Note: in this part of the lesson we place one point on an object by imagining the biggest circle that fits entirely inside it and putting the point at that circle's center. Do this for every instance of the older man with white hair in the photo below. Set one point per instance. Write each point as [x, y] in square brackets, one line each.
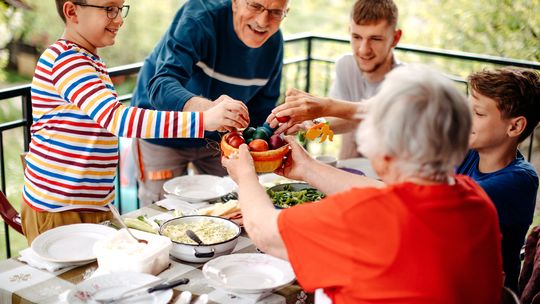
[422, 235]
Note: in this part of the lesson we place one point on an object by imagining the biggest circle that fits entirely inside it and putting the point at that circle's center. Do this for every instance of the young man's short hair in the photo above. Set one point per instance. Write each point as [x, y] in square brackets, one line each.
[516, 92]
[60, 7]
[369, 11]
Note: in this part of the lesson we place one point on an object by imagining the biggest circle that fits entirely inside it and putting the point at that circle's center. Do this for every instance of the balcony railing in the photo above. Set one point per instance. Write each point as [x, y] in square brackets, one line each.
[308, 65]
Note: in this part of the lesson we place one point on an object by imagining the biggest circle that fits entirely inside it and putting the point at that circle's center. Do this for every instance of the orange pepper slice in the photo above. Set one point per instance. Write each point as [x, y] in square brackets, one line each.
[320, 129]
[315, 131]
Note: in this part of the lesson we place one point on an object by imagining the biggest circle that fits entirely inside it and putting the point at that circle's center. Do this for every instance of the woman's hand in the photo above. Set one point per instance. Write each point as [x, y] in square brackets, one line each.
[240, 165]
[227, 115]
[298, 161]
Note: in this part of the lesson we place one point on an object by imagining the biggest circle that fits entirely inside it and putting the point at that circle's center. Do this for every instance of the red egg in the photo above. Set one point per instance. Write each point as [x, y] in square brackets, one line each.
[235, 141]
[283, 119]
[258, 145]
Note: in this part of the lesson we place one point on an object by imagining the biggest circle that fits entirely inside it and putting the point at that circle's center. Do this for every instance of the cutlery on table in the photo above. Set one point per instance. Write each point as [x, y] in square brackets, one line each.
[155, 286]
[202, 299]
[184, 298]
[118, 217]
[194, 237]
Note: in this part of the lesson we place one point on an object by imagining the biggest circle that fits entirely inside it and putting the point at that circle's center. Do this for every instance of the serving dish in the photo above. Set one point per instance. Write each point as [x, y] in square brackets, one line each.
[264, 161]
[191, 252]
[292, 194]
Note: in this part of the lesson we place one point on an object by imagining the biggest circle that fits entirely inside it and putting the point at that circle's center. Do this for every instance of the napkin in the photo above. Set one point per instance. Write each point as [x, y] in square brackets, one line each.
[31, 258]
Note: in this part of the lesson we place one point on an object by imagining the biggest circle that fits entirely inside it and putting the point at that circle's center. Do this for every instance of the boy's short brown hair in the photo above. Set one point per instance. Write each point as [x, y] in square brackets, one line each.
[369, 11]
[516, 91]
[60, 7]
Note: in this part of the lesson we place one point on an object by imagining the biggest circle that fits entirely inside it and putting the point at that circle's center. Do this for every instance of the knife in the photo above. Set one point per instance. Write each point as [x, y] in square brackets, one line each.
[142, 290]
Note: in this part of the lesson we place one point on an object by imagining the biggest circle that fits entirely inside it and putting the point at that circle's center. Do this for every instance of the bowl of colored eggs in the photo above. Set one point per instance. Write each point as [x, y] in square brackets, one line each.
[267, 149]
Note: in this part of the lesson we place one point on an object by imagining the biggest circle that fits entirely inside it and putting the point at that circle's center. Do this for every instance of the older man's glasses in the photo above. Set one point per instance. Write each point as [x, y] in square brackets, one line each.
[112, 11]
[276, 14]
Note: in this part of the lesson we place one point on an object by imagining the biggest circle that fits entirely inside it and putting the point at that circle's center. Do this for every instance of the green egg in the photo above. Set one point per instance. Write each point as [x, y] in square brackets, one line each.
[261, 133]
[248, 133]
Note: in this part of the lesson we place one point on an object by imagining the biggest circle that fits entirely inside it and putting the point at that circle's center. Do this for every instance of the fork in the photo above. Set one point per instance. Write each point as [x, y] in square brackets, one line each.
[118, 217]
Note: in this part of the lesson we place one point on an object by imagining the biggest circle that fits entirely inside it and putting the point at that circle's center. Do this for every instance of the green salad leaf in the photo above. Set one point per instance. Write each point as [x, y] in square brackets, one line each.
[287, 197]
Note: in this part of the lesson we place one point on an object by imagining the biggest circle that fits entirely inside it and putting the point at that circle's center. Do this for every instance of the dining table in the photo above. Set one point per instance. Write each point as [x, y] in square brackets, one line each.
[21, 283]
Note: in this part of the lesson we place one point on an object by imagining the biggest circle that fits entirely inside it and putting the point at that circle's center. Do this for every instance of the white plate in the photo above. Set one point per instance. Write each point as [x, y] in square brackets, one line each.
[114, 284]
[249, 272]
[70, 243]
[269, 180]
[199, 188]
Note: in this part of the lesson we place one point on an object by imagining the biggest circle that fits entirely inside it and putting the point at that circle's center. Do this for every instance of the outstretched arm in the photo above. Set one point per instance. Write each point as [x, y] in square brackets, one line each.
[299, 165]
[260, 216]
[300, 106]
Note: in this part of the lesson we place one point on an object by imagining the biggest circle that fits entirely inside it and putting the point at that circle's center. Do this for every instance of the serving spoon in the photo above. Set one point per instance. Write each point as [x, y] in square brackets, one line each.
[118, 217]
[192, 235]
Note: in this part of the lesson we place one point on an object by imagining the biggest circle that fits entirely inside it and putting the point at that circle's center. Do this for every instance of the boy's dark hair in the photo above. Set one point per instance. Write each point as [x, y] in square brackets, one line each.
[60, 7]
[515, 90]
[369, 11]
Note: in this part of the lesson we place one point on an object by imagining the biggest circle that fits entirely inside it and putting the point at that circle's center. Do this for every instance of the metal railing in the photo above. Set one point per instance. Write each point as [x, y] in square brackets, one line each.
[304, 59]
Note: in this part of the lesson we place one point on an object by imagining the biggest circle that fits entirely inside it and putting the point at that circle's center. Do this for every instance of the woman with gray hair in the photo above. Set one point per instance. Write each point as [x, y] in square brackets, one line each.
[422, 235]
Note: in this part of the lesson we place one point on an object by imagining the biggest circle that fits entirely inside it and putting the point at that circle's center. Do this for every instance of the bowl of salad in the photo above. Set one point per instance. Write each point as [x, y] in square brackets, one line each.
[287, 195]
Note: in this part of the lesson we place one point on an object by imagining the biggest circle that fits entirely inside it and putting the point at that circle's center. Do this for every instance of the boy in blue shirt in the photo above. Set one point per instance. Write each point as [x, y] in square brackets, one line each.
[506, 110]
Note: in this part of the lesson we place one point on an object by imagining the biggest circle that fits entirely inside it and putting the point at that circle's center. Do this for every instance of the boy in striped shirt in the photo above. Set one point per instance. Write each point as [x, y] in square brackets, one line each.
[77, 118]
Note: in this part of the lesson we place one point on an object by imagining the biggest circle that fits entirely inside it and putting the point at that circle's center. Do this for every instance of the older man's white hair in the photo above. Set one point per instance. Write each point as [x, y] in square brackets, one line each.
[420, 119]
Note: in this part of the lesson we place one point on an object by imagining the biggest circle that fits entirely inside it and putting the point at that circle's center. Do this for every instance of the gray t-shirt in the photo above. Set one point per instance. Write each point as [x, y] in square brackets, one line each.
[351, 85]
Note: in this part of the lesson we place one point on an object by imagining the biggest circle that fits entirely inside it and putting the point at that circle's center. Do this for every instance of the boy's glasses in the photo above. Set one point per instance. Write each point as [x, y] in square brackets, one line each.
[112, 11]
[276, 14]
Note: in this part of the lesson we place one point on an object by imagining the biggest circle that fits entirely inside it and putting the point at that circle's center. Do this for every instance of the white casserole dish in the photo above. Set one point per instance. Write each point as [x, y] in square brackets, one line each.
[202, 253]
[120, 252]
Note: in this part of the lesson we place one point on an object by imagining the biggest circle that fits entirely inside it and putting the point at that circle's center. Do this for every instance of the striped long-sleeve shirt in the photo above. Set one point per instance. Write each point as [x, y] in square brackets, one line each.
[73, 153]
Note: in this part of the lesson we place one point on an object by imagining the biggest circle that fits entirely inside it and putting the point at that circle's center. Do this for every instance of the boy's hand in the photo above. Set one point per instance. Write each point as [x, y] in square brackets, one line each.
[228, 114]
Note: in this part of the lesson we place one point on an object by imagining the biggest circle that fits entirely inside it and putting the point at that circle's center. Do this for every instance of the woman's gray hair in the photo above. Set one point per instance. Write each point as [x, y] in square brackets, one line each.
[420, 119]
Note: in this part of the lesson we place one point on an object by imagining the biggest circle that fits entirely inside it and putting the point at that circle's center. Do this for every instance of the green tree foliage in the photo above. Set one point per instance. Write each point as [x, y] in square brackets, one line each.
[502, 28]
[494, 27]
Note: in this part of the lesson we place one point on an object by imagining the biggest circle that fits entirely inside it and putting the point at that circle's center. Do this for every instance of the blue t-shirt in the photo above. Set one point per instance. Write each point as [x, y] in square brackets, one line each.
[512, 189]
[201, 55]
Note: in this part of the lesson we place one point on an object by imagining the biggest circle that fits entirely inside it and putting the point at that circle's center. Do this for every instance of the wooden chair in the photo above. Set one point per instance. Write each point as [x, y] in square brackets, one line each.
[9, 214]
[509, 297]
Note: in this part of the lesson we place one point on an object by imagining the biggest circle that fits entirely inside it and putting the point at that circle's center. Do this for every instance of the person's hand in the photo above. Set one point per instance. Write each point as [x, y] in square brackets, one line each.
[297, 162]
[240, 165]
[299, 106]
[227, 115]
[291, 130]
